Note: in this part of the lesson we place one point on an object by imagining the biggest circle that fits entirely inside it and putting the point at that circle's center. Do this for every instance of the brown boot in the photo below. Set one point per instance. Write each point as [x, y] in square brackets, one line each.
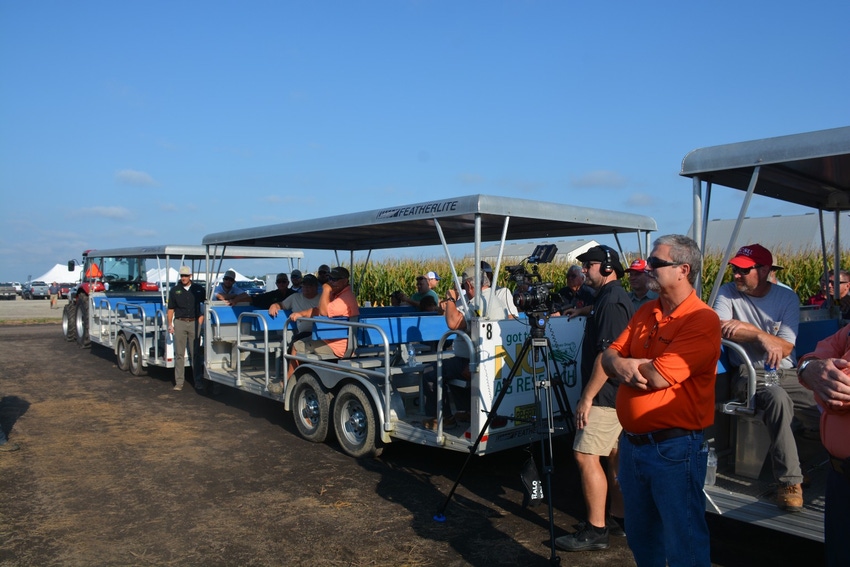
[789, 497]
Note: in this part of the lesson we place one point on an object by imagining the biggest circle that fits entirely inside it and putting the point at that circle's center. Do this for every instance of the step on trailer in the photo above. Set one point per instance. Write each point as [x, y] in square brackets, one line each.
[115, 305]
[812, 170]
[374, 396]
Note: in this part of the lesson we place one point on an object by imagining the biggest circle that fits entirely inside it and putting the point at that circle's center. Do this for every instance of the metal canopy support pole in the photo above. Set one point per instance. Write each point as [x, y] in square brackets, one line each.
[730, 248]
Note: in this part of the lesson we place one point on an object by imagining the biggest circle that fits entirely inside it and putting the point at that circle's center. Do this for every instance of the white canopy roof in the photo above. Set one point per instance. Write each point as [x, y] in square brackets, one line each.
[60, 274]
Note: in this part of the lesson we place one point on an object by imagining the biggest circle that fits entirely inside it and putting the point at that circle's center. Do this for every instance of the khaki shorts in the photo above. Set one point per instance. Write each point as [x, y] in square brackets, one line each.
[601, 434]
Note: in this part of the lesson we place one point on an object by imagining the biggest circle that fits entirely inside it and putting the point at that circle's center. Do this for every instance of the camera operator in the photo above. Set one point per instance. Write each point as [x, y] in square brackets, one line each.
[597, 426]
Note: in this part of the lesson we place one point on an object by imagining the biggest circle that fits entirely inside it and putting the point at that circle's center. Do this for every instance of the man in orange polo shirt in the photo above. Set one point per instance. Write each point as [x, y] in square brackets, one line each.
[826, 372]
[666, 361]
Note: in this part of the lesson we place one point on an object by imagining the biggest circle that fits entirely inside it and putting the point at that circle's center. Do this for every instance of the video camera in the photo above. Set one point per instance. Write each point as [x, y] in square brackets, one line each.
[532, 295]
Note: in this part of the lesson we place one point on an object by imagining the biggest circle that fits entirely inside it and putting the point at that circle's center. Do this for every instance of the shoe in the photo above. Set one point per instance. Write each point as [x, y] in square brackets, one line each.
[586, 539]
[9, 447]
[616, 526]
[431, 423]
[177, 388]
[789, 497]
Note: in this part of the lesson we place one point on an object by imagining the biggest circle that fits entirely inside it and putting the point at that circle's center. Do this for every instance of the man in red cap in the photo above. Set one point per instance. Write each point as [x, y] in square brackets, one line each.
[763, 318]
[638, 280]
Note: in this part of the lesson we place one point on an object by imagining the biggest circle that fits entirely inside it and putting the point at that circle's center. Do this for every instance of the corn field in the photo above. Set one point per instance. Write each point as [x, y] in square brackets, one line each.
[801, 271]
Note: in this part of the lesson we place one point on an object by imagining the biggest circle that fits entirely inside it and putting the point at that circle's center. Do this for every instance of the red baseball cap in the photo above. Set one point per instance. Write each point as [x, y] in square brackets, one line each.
[752, 255]
[638, 265]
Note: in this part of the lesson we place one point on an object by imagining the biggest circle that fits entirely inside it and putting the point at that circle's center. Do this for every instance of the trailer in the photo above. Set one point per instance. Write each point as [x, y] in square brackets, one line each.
[812, 170]
[115, 306]
[374, 395]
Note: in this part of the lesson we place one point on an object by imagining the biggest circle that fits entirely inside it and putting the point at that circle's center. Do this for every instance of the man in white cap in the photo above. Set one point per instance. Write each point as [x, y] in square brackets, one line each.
[228, 291]
[184, 318]
[433, 280]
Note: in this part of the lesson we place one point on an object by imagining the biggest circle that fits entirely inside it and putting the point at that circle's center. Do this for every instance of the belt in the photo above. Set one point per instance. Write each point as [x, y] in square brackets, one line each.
[660, 435]
[185, 318]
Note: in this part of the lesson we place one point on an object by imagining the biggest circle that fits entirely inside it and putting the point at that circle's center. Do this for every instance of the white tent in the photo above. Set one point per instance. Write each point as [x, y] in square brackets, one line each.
[157, 275]
[61, 274]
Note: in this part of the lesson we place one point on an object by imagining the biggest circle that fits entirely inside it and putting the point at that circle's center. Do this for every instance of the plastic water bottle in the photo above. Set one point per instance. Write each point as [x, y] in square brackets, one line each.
[771, 378]
[411, 355]
[711, 468]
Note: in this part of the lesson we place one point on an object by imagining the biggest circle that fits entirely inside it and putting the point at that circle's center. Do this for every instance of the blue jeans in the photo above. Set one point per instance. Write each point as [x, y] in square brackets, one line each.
[836, 519]
[665, 505]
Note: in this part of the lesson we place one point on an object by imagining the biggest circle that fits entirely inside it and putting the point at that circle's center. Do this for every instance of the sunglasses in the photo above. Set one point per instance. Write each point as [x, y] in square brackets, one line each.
[229, 279]
[743, 271]
[282, 281]
[656, 263]
[333, 279]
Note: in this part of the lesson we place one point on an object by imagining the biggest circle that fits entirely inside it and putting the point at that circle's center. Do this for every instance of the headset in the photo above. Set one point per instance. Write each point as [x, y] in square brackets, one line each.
[607, 266]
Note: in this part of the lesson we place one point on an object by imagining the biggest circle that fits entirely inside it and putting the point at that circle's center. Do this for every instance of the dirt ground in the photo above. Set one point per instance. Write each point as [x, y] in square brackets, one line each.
[118, 470]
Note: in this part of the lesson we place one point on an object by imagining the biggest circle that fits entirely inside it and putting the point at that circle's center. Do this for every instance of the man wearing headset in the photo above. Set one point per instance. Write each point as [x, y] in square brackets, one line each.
[597, 426]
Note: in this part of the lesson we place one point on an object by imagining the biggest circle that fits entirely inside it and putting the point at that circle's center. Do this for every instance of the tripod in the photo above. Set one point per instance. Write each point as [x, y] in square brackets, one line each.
[538, 344]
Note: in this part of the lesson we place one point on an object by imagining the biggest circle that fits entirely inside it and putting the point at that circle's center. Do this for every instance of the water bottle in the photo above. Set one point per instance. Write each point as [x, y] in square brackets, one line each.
[411, 355]
[711, 468]
[771, 378]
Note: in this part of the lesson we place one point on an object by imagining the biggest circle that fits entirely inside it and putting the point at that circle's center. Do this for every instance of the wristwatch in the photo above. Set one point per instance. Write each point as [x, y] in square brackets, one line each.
[803, 366]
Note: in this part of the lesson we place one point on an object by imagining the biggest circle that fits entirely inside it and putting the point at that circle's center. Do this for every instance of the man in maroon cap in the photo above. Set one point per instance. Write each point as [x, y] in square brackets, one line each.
[763, 318]
[638, 279]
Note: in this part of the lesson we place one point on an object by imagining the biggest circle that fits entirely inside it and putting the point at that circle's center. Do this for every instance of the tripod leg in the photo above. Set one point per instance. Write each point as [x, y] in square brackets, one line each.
[439, 516]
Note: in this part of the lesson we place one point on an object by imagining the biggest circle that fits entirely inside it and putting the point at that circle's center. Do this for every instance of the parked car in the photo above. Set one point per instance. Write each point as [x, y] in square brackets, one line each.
[35, 290]
[65, 289]
[252, 287]
[7, 291]
[18, 287]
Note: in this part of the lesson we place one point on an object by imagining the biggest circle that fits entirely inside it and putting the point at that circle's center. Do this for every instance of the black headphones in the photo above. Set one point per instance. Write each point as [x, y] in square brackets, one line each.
[606, 267]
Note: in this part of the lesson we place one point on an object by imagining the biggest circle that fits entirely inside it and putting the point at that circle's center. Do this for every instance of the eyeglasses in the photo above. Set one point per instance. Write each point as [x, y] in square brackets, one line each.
[656, 263]
[651, 334]
[743, 271]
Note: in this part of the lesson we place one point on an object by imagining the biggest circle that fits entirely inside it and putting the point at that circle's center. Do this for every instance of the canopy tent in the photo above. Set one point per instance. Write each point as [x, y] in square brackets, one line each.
[158, 275]
[60, 274]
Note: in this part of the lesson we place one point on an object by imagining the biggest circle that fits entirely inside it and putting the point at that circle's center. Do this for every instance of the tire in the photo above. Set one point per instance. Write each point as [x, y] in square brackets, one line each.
[122, 353]
[69, 321]
[83, 338]
[135, 357]
[354, 422]
[311, 408]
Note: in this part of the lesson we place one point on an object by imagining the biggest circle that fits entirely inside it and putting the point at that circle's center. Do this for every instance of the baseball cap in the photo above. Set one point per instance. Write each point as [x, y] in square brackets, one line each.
[339, 273]
[296, 274]
[485, 267]
[185, 271]
[230, 274]
[432, 276]
[323, 268]
[638, 265]
[752, 255]
[600, 254]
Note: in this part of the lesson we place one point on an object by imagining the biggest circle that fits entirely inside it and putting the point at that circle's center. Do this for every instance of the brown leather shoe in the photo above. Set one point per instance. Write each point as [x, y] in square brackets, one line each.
[789, 497]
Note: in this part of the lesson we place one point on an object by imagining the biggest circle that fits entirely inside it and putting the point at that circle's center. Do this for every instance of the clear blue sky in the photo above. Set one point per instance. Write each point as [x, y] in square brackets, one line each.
[133, 123]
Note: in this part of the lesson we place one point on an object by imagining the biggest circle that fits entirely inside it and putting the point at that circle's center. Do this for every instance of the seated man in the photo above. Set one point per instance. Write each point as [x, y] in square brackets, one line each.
[300, 305]
[229, 292]
[422, 291]
[763, 318]
[458, 318]
[337, 300]
[269, 298]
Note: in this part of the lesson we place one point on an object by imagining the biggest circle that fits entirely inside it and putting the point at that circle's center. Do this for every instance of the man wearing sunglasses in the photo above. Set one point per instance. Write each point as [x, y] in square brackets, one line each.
[666, 363]
[763, 318]
[228, 291]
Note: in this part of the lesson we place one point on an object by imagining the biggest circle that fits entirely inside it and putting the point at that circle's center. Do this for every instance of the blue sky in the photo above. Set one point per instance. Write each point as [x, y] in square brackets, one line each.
[134, 123]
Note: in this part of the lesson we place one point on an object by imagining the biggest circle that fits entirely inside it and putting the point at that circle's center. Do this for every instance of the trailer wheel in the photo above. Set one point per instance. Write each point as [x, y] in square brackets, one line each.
[312, 408]
[83, 338]
[354, 422]
[69, 321]
[135, 357]
[122, 353]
